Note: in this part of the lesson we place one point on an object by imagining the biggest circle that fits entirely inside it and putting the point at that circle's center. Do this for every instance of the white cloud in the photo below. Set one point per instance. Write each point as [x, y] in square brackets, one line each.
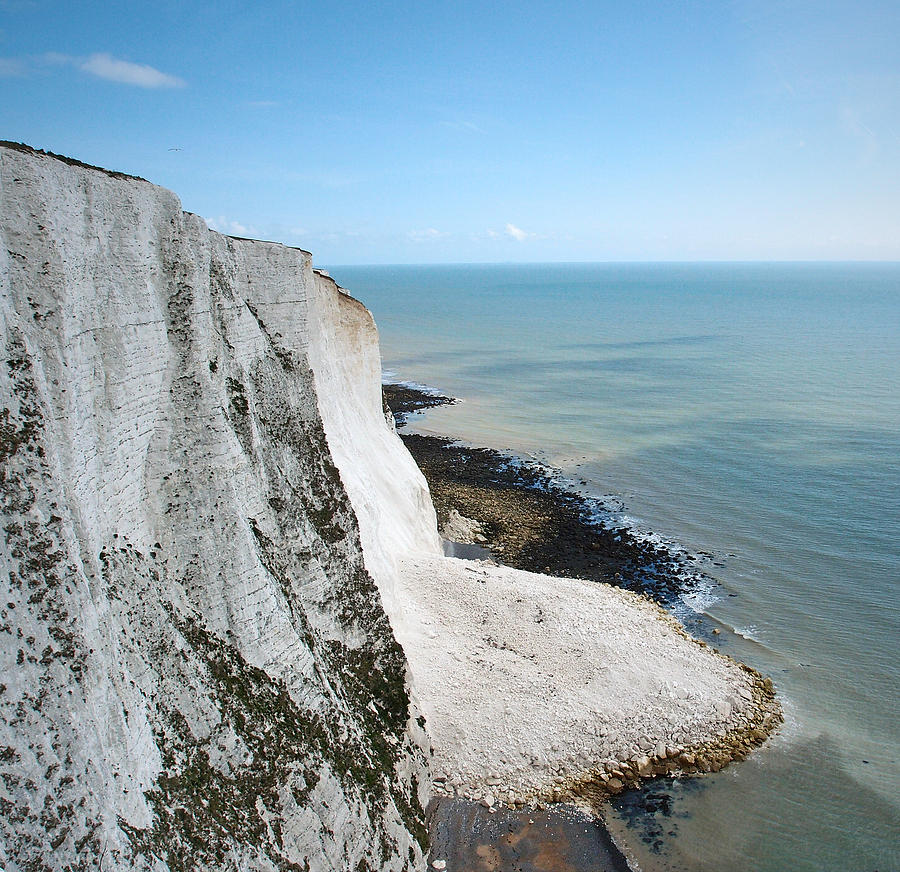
[261, 104]
[105, 66]
[427, 235]
[517, 233]
[229, 227]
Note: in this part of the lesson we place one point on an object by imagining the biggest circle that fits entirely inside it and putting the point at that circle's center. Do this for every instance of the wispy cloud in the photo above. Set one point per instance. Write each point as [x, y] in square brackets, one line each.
[105, 66]
[517, 233]
[509, 231]
[852, 123]
[261, 104]
[230, 227]
[99, 64]
[55, 58]
[430, 234]
[10, 67]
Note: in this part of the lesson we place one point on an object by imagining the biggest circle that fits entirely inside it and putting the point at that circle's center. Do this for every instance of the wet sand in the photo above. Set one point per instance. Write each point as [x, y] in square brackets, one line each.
[469, 838]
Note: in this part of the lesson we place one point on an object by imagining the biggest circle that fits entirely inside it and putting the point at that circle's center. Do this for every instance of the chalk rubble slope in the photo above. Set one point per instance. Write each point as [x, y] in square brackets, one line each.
[538, 688]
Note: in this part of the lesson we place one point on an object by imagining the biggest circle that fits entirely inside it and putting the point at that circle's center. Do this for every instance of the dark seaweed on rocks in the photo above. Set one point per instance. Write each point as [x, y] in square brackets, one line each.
[532, 521]
[403, 400]
[653, 810]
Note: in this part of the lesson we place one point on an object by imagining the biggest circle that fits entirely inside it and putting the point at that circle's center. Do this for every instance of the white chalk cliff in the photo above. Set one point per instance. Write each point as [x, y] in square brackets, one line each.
[196, 668]
[213, 541]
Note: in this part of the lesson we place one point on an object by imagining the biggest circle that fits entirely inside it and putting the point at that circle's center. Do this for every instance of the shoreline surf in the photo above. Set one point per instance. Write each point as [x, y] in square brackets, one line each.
[591, 537]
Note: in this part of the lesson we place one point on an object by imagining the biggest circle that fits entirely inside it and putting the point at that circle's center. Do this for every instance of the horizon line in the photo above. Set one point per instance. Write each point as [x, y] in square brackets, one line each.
[649, 262]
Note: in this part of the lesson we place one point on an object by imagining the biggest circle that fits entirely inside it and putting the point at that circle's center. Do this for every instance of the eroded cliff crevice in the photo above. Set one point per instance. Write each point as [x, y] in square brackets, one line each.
[198, 672]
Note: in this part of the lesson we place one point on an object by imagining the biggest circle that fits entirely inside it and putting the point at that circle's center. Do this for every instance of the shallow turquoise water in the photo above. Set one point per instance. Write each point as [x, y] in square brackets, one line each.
[751, 411]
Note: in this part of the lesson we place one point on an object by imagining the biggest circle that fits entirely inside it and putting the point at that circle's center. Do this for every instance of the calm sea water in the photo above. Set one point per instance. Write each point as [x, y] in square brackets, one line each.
[750, 411]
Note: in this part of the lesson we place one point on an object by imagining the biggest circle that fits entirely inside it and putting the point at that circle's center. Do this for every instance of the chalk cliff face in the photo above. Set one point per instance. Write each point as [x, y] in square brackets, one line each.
[386, 488]
[196, 670]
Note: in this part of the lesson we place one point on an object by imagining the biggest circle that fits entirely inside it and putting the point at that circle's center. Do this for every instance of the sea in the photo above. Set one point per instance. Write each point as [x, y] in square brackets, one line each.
[748, 413]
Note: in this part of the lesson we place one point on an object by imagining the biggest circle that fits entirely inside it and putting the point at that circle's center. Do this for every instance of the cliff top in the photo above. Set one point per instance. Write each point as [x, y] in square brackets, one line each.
[27, 149]
[116, 174]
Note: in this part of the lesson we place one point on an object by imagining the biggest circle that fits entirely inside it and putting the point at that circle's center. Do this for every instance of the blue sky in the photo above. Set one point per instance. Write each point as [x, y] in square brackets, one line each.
[469, 132]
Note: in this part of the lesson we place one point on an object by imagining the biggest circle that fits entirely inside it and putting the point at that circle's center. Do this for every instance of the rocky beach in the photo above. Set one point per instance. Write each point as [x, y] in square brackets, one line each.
[529, 518]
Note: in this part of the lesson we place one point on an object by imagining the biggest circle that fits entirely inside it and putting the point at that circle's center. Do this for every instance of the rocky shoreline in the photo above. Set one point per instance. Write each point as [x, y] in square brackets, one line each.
[754, 727]
[531, 522]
